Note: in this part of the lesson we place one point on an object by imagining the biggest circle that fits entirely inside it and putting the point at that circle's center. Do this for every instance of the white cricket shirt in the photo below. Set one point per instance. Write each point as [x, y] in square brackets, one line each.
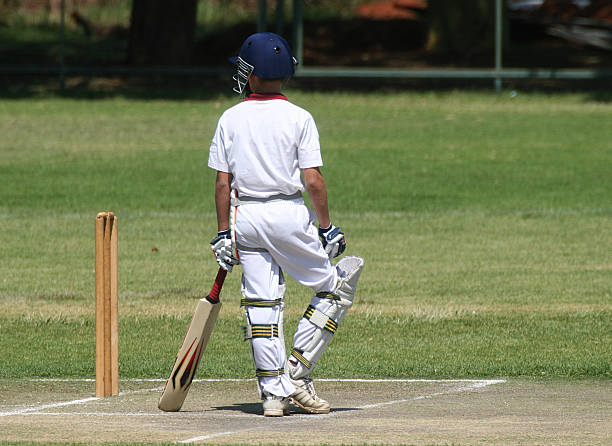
[263, 142]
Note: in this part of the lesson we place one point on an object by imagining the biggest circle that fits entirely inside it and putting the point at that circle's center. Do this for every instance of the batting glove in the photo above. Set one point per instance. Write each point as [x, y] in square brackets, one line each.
[222, 248]
[333, 241]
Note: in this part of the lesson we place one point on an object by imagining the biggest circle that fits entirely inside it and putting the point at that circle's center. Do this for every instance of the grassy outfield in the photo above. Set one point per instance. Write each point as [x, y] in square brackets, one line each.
[485, 222]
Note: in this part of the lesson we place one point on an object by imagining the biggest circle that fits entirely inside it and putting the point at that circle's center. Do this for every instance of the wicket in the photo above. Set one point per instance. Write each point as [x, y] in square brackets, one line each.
[107, 324]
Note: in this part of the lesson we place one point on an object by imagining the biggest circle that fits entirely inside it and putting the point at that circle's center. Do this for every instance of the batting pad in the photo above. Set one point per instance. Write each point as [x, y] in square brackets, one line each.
[322, 318]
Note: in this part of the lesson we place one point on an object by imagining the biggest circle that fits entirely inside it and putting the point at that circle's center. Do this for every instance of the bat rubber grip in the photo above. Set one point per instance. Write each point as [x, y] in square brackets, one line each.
[213, 296]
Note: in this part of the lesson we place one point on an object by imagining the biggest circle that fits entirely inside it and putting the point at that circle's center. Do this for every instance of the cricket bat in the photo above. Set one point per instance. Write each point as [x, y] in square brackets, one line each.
[194, 343]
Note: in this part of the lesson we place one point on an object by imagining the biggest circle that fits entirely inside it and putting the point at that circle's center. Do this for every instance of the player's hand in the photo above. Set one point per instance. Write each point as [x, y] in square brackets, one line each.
[333, 240]
[222, 248]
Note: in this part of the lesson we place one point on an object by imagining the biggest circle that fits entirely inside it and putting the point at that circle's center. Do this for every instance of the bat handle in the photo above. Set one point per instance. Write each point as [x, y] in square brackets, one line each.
[213, 296]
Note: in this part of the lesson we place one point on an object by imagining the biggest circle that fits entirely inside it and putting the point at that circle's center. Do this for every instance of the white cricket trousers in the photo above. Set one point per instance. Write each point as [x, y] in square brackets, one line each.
[272, 238]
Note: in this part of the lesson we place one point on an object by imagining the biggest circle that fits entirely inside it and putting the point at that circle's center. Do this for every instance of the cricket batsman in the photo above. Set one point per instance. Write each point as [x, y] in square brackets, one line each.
[267, 155]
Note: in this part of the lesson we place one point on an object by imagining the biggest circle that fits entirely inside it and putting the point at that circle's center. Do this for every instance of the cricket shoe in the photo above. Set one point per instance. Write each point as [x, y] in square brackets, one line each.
[275, 406]
[306, 397]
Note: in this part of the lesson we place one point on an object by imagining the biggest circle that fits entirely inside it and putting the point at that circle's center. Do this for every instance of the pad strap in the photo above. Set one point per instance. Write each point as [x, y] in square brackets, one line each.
[260, 331]
[297, 354]
[266, 373]
[259, 302]
[320, 319]
[327, 295]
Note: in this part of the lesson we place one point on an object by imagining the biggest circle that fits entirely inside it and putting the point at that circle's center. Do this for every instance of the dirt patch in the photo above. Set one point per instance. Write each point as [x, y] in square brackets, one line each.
[382, 412]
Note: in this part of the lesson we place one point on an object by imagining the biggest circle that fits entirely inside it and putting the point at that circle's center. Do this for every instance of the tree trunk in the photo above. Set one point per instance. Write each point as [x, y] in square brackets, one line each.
[460, 27]
[162, 32]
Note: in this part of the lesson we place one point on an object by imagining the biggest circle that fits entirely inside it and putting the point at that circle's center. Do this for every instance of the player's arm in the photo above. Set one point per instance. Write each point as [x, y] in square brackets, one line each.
[222, 243]
[317, 190]
[223, 186]
[331, 236]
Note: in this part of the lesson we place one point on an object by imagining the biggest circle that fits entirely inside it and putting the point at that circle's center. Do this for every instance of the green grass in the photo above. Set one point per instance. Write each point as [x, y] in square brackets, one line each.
[485, 223]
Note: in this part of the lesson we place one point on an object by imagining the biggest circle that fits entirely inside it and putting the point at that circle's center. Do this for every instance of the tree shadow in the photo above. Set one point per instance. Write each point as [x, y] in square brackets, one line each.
[355, 42]
[601, 95]
[192, 88]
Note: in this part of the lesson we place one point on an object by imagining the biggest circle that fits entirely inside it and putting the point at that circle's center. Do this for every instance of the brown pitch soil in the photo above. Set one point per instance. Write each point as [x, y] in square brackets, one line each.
[513, 411]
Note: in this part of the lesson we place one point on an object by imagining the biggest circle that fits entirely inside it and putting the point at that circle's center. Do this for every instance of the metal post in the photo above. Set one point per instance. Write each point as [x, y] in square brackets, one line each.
[298, 31]
[62, 43]
[262, 15]
[280, 17]
[498, 45]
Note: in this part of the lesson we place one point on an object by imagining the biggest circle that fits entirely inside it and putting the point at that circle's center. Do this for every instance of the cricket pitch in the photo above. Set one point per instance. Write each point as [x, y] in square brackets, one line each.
[513, 411]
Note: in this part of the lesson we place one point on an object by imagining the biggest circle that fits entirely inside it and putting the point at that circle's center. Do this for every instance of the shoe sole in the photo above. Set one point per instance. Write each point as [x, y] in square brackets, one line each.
[310, 409]
[276, 412]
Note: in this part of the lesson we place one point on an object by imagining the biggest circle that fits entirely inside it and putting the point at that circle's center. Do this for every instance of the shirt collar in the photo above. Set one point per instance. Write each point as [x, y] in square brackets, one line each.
[265, 96]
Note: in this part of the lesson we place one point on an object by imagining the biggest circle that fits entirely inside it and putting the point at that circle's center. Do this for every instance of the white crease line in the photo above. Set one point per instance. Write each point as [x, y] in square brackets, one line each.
[100, 414]
[48, 406]
[487, 382]
[481, 382]
[208, 437]
[478, 382]
[181, 414]
[472, 384]
[28, 410]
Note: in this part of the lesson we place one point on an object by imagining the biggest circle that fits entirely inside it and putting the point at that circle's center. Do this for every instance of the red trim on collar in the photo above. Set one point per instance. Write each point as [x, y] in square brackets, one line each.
[265, 96]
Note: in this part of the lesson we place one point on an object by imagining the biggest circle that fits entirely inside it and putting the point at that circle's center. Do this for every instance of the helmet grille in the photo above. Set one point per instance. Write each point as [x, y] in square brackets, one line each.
[242, 75]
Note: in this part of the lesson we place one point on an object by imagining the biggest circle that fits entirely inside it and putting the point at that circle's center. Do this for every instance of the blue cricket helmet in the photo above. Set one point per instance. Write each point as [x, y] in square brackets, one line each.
[266, 55]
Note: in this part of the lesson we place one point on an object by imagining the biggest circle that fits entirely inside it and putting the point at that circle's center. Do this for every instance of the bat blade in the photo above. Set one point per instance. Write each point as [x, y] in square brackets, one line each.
[194, 344]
